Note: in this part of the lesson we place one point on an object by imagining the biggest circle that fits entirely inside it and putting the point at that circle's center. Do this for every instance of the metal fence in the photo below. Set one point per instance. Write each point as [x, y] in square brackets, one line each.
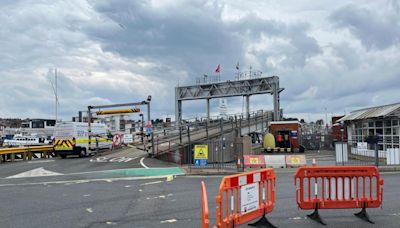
[366, 153]
[317, 141]
[222, 154]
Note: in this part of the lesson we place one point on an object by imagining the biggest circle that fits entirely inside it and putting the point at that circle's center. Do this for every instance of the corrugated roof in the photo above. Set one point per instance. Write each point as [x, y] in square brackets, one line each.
[373, 112]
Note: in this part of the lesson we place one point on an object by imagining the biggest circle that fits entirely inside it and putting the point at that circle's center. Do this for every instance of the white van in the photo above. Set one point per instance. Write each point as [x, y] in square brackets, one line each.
[71, 138]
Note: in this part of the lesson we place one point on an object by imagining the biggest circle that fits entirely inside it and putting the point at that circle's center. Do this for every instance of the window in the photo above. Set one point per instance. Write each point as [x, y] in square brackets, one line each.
[388, 123]
[395, 130]
[371, 124]
[388, 131]
[378, 123]
[395, 122]
[371, 132]
[379, 131]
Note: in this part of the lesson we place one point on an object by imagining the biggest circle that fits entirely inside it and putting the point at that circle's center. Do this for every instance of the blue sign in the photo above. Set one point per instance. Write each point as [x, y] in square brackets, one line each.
[149, 130]
[201, 162]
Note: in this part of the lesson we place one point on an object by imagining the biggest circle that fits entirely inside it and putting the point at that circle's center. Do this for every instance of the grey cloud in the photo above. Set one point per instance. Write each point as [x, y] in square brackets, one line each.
[347, 54]
[375, 30]
[191, 35]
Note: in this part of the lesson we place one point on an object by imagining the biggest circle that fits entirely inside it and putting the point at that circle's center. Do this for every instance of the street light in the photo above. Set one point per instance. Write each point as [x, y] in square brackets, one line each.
[342, 131]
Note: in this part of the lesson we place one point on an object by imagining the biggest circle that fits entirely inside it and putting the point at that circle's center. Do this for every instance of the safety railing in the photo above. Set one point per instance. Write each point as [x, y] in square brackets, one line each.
[205, 223]
[26, 151]
[338, 187]
[245, 197]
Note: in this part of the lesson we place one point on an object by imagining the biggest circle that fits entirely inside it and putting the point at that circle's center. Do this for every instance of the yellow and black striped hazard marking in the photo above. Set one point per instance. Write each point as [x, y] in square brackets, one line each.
[63, 144]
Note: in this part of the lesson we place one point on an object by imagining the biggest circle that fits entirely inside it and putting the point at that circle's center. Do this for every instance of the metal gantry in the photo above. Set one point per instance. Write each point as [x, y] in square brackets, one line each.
[243, 87]
[90, 108]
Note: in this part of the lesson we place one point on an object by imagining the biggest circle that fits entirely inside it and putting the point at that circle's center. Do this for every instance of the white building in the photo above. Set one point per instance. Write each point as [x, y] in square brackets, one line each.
[382, 121]
[121, 124]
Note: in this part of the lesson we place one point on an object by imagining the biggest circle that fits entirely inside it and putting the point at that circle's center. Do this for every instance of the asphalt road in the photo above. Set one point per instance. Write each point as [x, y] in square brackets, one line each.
[92, 194]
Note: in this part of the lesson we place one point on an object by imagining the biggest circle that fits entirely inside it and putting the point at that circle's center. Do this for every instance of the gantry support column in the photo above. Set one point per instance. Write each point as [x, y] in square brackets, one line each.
[247, 106]
[208, 108]
[178, 108]
[275, 93]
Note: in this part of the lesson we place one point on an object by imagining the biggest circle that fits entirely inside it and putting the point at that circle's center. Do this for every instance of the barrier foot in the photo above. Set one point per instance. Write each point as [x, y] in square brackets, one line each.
[364, 215]
[315, 216]
[263, 222]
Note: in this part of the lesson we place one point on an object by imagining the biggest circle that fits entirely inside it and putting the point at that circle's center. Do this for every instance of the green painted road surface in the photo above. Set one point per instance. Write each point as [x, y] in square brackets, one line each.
[140, 172]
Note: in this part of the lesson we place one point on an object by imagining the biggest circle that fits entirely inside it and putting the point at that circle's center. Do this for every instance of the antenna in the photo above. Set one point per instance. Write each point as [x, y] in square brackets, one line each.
[55, 91]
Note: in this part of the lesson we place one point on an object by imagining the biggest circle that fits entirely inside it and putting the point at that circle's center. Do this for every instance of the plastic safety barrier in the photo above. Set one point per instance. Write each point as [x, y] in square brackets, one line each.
[245, 197]
[254, 161]
[205, 223]
[294, 161]
[275, 161]
[338, 187]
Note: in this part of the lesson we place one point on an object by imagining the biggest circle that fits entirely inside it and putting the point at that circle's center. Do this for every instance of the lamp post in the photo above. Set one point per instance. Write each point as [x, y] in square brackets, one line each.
[342, 131]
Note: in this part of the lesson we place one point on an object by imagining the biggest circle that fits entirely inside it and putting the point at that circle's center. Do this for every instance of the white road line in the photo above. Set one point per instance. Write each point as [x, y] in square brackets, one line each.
[149, 183]
[89, 210]
[86, 181]
[40, 161]
[142, 164]
[168, 221]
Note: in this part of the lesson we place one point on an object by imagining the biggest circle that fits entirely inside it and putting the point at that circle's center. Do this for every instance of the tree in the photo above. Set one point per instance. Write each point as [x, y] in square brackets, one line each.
[319, 122]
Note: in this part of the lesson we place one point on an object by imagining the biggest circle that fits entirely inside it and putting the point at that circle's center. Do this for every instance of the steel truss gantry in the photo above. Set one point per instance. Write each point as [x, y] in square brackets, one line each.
[244, 87]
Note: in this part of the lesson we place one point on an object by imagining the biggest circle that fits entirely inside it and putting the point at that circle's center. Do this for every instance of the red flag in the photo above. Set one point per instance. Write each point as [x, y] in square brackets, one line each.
[218, 70]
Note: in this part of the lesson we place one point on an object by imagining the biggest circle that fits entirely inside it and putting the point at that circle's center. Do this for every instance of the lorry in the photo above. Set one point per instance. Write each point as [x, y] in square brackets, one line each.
[72, 138]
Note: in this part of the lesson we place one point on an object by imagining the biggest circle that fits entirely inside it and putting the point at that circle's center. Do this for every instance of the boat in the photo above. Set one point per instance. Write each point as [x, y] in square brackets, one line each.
[25, 140]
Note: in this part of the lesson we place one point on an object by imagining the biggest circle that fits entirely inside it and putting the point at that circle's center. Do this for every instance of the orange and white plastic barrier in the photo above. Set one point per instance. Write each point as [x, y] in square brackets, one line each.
[275, 161]
[254, 161]
[205, 223]
[245, 197]
[338, 187]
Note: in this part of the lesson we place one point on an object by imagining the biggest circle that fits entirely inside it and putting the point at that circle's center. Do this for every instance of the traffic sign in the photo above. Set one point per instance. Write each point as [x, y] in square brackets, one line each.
[201, 152]
[201, 162]
[128, 138]
[117, 140]
[148, 128]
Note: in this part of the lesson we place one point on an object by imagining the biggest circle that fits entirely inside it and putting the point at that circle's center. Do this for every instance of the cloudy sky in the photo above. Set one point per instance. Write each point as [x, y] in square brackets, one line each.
[331, 56]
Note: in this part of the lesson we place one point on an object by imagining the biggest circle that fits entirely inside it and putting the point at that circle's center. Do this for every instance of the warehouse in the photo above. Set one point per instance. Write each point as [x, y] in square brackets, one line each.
[382, 121]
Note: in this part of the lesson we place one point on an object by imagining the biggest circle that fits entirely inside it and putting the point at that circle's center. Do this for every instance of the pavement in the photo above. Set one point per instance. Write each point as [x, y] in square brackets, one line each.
[116, 191]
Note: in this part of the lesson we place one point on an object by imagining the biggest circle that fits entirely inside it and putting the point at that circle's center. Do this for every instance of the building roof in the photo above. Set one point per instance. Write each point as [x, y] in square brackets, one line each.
[373, 112]
[285, 122]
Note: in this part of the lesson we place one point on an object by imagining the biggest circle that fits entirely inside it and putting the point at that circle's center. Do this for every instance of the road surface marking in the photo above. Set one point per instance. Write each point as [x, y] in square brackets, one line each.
[168, 221]
[89, 210]
[113, 159]
[297, 218]
[127, 186]
[111, 223]
[39, 172]
[87, 195]
[170, 178]
[85, 181]
[40, 161]
[149, 183]
[160, 197]
[142, 163]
